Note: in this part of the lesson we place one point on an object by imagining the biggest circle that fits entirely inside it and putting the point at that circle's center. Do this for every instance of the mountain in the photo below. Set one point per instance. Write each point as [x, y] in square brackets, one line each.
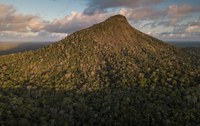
[107, 74]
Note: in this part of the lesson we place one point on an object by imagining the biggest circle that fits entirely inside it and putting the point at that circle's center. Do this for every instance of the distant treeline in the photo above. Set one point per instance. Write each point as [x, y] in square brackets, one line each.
[21, 47]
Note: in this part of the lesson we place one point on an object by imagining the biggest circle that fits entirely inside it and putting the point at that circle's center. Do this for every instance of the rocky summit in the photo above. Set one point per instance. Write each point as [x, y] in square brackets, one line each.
[107, 74]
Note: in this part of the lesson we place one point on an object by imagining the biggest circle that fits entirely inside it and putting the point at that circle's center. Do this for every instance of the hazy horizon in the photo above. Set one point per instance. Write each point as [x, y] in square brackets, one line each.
[15, 47]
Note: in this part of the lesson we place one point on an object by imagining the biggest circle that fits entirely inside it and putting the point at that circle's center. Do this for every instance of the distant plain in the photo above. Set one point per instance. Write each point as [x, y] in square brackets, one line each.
[15, 47]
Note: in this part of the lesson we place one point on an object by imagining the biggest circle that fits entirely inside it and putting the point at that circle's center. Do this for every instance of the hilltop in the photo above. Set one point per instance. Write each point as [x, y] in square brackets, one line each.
[107, 74]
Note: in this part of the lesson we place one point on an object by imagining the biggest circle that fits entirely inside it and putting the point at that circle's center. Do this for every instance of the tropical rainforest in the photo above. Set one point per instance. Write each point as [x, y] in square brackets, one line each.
[107, 74]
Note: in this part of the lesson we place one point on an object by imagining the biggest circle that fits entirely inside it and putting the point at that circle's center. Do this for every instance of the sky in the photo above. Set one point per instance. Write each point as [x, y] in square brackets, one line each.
[52, 20]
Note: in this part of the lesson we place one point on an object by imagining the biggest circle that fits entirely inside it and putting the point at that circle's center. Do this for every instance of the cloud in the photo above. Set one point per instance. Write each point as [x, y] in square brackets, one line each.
[10, 20]
[161, 23]
[193, 26]
[99, 6]
[178, 12]
[167, 23]
[141, 13]
[186, 32]
[75, 21]
[179, 37]
[19, 27]
[171, 15]
[31, 36]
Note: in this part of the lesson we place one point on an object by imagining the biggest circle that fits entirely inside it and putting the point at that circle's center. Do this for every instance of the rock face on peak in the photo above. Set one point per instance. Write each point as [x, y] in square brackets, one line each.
[117, 18]
[107, 74]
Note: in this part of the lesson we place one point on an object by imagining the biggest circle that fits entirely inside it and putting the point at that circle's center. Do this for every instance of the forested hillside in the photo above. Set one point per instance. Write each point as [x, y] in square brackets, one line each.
[107, 74]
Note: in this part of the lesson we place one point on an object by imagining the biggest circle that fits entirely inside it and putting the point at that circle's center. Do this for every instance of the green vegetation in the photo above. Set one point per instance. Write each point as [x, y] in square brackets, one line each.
[194, 50]
[108, 74]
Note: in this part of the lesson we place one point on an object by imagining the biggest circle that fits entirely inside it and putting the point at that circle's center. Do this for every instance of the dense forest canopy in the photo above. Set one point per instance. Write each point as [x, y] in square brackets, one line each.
[107, 74]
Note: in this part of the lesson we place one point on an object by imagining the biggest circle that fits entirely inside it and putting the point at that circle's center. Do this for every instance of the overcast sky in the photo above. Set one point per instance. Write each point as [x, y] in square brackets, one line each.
[52, 20]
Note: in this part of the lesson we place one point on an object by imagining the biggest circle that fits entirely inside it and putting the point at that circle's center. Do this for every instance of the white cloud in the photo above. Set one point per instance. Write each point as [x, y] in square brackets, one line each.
[14, 25]
[31, 36]
[10, 20]
[141, 14]
[177, 13]
[193, 28]
[19, 27]
[75, 21]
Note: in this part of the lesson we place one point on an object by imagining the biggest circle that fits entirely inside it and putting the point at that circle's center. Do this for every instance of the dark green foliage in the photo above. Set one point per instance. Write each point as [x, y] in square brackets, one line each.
[194, 50]
[127, 105]
[108, 74]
